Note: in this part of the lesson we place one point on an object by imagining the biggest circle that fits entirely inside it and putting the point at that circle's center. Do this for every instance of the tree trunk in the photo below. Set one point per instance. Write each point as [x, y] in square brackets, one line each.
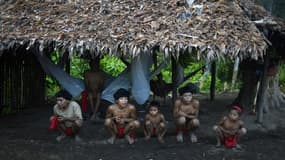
[235, 73]
[206, 73]
[275, 97]
[95, 64]
[248, 89]
[261, 97]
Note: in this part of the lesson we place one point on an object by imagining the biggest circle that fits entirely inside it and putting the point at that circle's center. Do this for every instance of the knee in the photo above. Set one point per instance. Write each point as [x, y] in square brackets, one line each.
[51, 118]
[135, 124]
[181, 120]
[215, 128]
[195, 122]
[108, 122]
[148, 124]
[79, 123]
[243, 131]
[162, 125]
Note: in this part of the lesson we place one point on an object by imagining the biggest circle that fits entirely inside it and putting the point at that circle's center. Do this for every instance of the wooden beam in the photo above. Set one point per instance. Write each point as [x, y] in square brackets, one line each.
[174, 79]
[213, 81]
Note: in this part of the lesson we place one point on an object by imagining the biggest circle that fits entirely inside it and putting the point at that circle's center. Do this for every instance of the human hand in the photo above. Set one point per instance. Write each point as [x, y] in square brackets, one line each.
[61, 119]
[119, 120]
[180, 113]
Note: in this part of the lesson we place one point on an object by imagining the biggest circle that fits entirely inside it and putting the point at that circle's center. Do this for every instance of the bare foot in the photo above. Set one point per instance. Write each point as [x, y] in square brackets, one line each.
[147, 137]
[93, 118]
[60, 137]
[218, 144]
[193, 138]
[111, 140]
[129, 139]
[160, 139]
[77, 139]
[179, 137]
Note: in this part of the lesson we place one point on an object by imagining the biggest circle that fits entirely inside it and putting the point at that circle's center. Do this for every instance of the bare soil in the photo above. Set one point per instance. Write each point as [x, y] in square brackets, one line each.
[24, 136]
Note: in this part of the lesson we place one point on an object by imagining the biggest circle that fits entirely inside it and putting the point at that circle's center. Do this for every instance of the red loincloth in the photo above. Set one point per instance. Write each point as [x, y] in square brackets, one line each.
[84, 96]
[53, 123]
[120, 132]
[230, 141]
[184, 130]
[68, 131]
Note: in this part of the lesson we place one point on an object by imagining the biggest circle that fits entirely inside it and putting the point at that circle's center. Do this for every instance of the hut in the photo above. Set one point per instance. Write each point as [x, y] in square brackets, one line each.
[125, 28]
[267, 92]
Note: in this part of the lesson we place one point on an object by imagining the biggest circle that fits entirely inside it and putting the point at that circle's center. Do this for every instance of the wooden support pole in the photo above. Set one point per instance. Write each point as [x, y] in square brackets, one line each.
[67, 66]
[262, 91]
[174, 79]
[213, 81]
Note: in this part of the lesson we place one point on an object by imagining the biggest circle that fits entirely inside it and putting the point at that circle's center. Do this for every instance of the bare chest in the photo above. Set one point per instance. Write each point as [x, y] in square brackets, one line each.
[124, 113]
[231, 125]
[155, 119]
[188, 109]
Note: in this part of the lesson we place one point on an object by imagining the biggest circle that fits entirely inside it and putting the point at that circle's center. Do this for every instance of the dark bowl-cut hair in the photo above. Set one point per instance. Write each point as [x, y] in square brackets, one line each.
[64, 94]
[155, 104]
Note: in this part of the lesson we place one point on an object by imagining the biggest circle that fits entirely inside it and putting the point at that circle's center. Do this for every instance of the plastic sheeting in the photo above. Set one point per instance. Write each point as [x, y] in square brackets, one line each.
[73, 85]
[122, 81]
[140, 77]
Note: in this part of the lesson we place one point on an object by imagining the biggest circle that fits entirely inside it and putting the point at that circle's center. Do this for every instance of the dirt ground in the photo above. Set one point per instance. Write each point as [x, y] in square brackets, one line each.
[25, 136]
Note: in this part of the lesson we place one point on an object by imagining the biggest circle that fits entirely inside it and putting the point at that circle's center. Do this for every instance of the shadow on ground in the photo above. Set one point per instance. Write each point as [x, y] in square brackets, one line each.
[25, 136]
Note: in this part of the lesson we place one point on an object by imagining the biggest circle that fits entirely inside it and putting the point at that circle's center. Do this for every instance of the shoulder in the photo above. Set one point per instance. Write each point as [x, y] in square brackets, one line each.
[178, 102]
[55, 106]
[112, 106]
[74, 104]
[240, 122]
[195, 102]
[147, 116]
[161, 115]
[131, 107]
[224, 118]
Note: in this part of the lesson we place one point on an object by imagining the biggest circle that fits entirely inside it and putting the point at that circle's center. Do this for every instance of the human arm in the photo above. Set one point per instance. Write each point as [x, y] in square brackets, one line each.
[132, 114]
[176, 108]
[76, 113]
[109, 112]
[162, 119]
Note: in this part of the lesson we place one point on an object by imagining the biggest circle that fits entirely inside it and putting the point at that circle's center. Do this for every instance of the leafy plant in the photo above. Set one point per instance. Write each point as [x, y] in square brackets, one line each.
[112, 65]
[7, 110]
[281, 73]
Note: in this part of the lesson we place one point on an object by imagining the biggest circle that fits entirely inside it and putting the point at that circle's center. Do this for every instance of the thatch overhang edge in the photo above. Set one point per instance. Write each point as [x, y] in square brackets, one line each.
[169, 42]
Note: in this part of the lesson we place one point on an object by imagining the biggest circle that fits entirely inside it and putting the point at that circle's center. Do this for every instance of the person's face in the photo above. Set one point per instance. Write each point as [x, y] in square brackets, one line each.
[233, 115]
[123, 101]
[61, 101]
[187, 97]
[153, 110]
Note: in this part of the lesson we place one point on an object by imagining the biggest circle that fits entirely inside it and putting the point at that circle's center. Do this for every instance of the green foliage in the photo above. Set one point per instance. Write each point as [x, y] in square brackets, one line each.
[7, 110]
[225, 70]
[112, 65]
[78, 66]
[281, 73]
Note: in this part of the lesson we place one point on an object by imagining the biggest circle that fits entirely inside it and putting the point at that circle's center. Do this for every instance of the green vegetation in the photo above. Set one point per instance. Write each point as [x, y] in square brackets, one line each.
[7, 110]
[281, 73]
[112, 65]
[115, 66]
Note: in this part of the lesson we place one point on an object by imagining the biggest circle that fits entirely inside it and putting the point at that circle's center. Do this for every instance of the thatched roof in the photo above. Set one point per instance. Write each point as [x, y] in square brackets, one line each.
[131, 27]
[262, 17]
[272, 27]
